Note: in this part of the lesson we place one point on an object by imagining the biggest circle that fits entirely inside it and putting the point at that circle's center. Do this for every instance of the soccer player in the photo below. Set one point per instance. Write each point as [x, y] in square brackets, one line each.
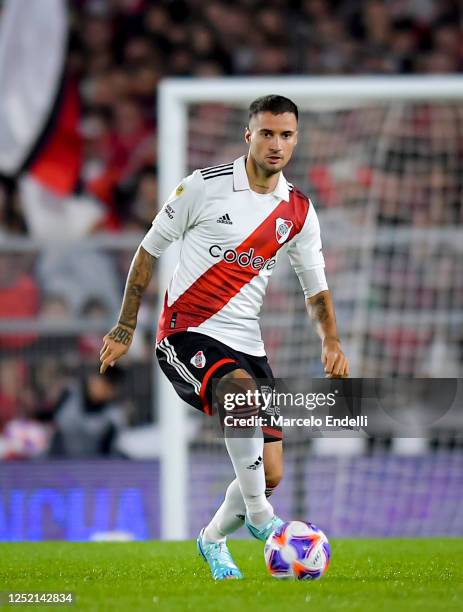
[234, 219]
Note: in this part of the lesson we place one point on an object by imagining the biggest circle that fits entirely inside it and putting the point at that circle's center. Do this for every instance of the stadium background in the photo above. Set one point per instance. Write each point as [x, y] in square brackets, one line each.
[78, 455]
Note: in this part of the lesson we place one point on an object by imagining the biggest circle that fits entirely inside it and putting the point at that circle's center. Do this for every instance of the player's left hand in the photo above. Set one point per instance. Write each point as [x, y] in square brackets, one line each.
[334, 361]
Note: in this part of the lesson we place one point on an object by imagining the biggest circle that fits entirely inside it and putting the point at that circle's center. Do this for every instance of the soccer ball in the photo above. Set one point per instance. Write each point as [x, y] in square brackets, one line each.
[297, 550]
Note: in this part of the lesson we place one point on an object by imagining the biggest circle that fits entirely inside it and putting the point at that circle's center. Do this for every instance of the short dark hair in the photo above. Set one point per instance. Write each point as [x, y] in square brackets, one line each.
[273, 104]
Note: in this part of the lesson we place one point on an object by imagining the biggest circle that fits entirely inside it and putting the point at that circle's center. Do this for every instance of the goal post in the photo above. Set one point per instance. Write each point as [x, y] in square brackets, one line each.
[313, 95]
[172, 155]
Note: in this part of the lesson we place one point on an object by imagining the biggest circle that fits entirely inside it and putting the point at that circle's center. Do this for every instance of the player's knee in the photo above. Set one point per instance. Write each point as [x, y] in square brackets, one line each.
[273, 476]
[236, 394]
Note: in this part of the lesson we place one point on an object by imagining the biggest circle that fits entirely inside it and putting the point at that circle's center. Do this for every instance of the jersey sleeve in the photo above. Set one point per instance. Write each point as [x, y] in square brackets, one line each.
[306, 256]
[178, 214]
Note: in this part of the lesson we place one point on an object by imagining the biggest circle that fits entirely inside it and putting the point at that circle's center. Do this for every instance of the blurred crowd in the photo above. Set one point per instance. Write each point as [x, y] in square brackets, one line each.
[71, 297]
[119, 50]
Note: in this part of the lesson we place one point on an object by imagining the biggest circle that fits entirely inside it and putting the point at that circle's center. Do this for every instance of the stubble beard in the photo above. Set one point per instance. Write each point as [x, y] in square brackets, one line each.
[270, 170]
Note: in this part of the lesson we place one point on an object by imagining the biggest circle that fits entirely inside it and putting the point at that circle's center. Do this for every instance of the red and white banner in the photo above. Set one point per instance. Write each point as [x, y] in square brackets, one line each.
[40, 140]
[33, 40]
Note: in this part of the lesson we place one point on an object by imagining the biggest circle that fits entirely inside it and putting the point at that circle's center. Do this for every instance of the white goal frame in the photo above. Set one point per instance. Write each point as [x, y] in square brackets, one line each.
[174, 96]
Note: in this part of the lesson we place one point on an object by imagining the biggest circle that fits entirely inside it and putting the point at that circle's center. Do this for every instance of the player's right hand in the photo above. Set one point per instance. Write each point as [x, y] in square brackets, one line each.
[115, 344]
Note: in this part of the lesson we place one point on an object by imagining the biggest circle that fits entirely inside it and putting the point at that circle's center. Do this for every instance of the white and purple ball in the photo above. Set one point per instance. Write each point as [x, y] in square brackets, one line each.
[297, 550]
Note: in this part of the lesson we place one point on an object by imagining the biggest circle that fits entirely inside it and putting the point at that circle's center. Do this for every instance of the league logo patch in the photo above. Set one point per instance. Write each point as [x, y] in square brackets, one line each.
[198, 360]
[282, 229]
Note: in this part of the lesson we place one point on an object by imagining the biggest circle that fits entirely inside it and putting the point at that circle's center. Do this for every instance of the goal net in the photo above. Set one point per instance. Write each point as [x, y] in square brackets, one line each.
[382, 161]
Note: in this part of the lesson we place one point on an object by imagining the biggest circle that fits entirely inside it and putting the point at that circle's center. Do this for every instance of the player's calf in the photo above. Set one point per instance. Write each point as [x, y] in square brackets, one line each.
[273, 466]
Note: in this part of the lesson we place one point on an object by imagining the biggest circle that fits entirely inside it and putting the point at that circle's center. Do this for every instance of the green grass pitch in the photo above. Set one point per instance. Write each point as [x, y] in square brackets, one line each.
[401, 575]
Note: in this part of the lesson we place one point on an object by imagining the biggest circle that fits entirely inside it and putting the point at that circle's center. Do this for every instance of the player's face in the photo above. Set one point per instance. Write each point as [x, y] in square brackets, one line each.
[271, 139]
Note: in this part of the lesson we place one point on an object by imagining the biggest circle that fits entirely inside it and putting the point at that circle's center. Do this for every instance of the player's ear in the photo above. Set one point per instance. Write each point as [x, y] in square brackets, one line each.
[247, 135]
[295, 138]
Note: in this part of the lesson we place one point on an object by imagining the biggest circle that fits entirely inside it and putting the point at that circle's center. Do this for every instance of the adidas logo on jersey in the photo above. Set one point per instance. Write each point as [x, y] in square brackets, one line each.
[225, 219]
[198, 360]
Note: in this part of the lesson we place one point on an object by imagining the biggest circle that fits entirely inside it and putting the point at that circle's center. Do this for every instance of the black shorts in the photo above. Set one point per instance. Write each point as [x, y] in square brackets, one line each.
[191, 361]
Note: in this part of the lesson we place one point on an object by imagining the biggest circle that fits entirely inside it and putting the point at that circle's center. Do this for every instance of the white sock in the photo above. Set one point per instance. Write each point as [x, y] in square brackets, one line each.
[229, 517]
[246, 455]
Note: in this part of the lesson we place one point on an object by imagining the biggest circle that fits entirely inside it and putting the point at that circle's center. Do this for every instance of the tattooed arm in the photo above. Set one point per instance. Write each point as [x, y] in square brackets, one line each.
[321, 311]
[117, 342]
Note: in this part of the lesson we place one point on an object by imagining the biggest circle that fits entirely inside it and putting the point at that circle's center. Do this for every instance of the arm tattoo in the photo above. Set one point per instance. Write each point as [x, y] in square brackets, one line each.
[319, 310]
[121, 335]
[138, 279]
[322, 314]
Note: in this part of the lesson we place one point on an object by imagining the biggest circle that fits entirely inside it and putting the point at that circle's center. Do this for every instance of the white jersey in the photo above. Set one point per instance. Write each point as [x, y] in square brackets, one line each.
[231, 239]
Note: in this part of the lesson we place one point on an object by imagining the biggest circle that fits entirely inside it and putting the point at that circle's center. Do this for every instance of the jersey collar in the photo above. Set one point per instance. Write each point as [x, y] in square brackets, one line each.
[241, 182]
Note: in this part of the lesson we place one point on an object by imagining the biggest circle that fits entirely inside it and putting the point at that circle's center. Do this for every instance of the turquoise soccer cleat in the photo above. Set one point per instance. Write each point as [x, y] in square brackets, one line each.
[219, 558]
[264, 533]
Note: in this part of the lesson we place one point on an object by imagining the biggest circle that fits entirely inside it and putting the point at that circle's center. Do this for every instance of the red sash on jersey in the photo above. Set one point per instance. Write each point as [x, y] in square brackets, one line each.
[219, 283]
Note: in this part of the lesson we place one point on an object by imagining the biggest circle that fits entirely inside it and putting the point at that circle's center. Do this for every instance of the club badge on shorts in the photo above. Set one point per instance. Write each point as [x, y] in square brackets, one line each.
[198, 360]
[282, 229]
